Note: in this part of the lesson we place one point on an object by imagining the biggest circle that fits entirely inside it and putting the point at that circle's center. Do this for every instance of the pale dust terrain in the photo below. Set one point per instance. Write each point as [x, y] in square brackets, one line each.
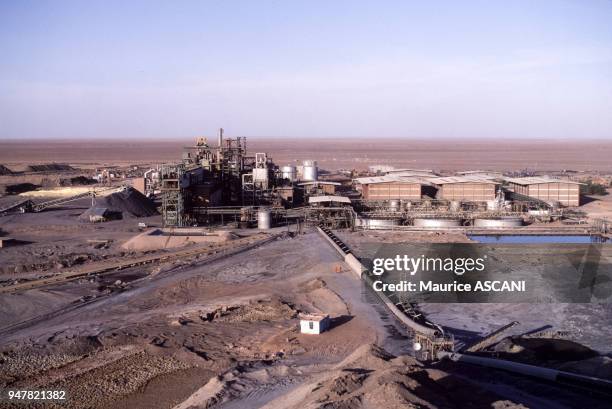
[224, 334]
[599, 206]
[221, 335]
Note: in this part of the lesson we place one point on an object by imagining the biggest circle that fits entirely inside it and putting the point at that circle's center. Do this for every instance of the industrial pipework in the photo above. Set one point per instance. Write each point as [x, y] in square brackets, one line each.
[539, 372]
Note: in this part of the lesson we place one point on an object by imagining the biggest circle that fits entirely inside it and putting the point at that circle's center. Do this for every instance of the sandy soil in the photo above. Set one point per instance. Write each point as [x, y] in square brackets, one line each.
[210, 319]
[224, 334]
[598, 206]
[55, 239]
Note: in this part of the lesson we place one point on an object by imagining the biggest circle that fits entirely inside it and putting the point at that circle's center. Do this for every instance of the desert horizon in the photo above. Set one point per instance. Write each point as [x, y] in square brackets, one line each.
[333, 153]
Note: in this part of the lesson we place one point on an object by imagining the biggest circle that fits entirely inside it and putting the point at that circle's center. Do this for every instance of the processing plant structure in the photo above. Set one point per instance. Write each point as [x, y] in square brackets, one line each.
[222, 183]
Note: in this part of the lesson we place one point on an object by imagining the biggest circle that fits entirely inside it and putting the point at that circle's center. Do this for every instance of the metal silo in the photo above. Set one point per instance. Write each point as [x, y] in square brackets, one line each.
[310, 172]
[264, 219]
[289, 172]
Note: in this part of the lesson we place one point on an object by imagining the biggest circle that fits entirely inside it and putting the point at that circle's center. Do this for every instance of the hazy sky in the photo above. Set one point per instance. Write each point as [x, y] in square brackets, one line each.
[420, 69]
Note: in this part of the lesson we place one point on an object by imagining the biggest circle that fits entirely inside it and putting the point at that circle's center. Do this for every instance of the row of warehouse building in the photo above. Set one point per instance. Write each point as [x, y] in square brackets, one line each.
[413, 185]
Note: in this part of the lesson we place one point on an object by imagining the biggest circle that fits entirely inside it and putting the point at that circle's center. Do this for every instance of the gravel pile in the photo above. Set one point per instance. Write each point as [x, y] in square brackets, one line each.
[129, 202]
[4, 171]
[49, 167]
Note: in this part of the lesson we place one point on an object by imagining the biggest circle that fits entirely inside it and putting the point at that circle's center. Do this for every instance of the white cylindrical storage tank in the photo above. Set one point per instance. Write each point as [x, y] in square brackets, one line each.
[492, 205]
[289, 172]
[455, 206]
[433, 223]
[310, 172]
[540, 212]
[380, 223]
[501, 222]
[394, 205]
[264, 219]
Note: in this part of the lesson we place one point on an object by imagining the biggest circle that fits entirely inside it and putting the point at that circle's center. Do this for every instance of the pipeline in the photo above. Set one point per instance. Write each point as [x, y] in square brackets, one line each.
[539, 372]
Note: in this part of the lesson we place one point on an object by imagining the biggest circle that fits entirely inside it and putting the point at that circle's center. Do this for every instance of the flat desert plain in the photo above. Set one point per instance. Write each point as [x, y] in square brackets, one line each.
[334, 153]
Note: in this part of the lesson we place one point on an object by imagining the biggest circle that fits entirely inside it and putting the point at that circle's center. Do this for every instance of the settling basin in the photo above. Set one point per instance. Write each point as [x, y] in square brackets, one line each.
[539, 238]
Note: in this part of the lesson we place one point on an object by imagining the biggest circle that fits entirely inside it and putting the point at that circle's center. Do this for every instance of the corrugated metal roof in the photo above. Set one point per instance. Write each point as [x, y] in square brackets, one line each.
[375, 179]
[419, 171]
[325, 199]
[409, 173]
[320, 182]
[536, 180]
[390, 179]
[460, 179]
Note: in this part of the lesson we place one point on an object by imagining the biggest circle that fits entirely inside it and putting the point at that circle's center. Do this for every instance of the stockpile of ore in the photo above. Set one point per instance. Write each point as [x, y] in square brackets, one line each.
[4, 171]
[129, 202]
[49, 167]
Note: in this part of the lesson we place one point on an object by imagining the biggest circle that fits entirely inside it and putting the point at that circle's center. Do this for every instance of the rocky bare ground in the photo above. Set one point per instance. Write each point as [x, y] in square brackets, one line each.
[225, 335]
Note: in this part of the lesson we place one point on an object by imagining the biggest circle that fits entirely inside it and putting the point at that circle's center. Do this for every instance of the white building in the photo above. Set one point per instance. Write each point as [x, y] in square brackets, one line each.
[314, 323]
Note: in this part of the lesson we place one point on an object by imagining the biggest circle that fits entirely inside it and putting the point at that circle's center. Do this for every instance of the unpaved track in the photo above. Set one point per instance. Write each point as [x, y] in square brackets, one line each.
[102, 267]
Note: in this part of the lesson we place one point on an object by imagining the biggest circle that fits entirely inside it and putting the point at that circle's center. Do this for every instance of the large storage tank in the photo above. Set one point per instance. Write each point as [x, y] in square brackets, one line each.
[499, 222]
[492, 205]
[310, 172]
[377, 223]
[455, 206]
[264, 219]
[539, 212]
[289, 172]
[394, 205]
[437, 223]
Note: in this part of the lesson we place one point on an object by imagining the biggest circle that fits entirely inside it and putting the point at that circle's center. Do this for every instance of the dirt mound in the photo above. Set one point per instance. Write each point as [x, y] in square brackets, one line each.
[165, 239]
[372, 378]
[540, 351]
[132, 202]
[261, 310]
[313, 284]
[129, 202]
[599, 367]
[20, 188]
[4, 171]
[49, 167]
[77, 181]
[369, 378]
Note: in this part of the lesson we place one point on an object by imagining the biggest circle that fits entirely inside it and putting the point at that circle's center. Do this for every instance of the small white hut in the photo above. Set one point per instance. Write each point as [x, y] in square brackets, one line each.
[314, 323]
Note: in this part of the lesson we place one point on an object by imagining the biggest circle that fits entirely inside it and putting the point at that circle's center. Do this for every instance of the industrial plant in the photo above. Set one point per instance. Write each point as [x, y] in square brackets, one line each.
[221, 183]
[221, 273]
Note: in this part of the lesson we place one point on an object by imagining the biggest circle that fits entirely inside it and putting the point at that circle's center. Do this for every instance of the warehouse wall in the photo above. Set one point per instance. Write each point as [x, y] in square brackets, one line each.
[392, 190]
[568, 194]
[522, 189]
[474, 192]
